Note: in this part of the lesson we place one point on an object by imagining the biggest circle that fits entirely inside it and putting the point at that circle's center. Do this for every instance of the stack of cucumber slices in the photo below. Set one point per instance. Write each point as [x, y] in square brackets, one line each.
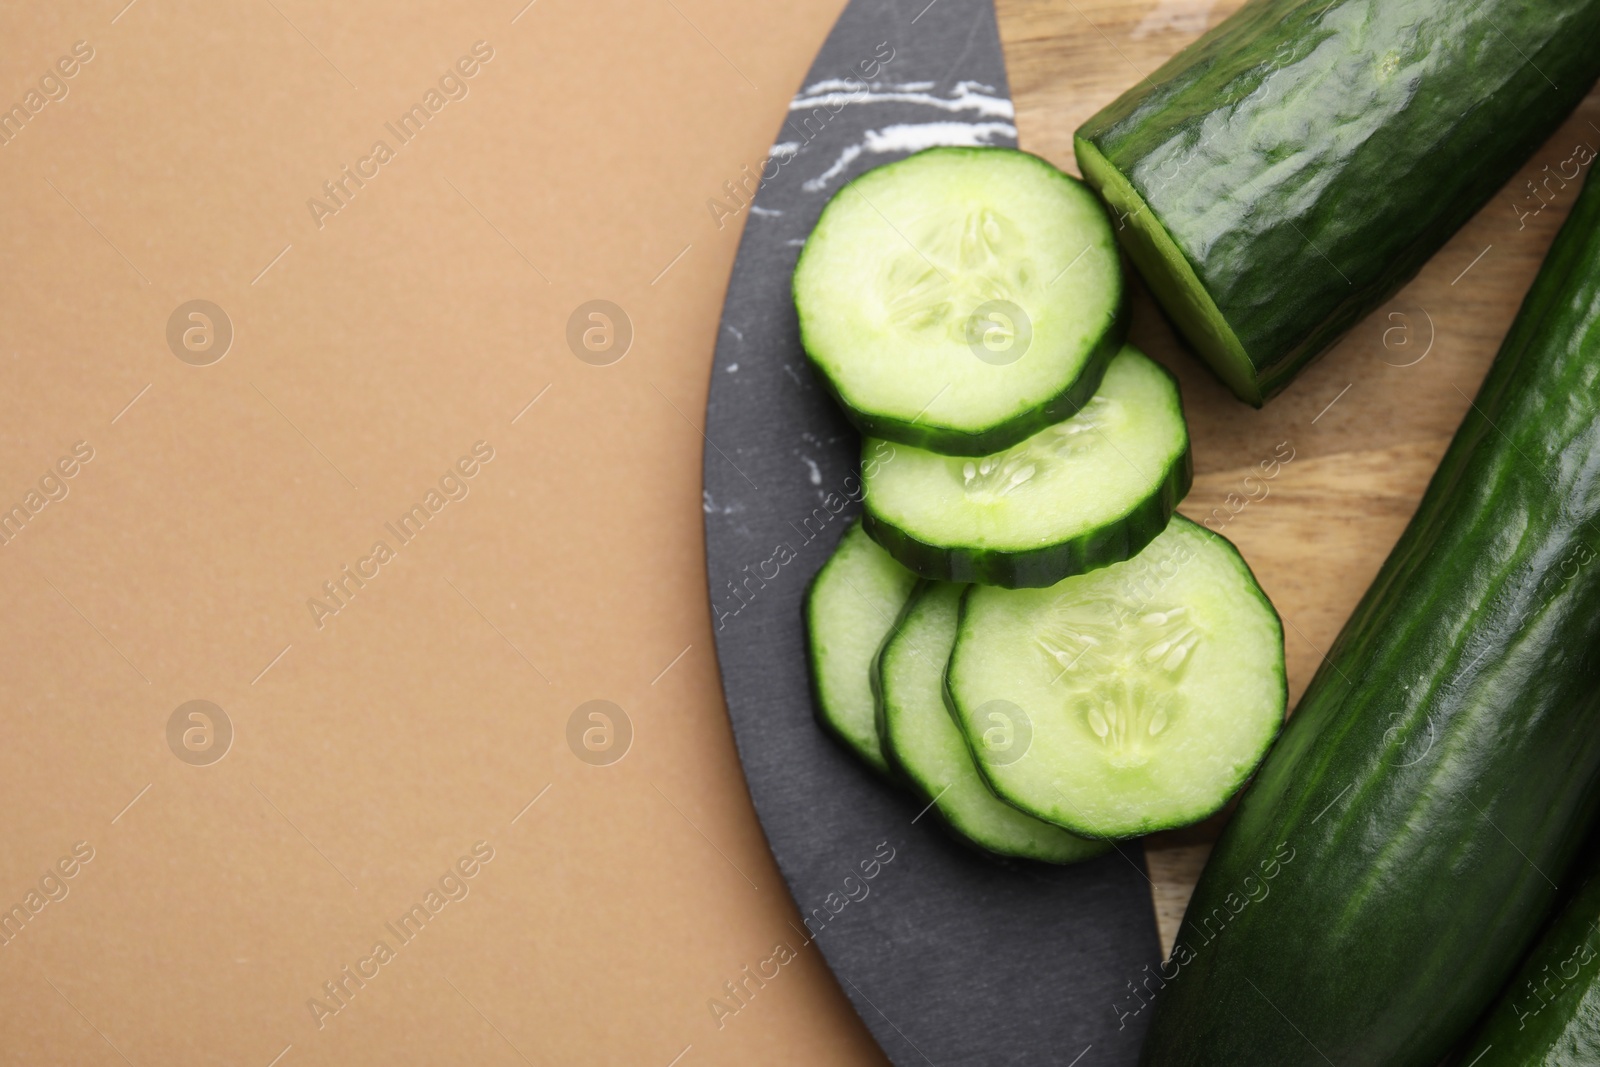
[1020, 629]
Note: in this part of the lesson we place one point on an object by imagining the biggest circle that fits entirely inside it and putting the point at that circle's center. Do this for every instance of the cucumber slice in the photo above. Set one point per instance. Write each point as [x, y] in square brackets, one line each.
[961, 299]
[1135, 698]
[851, 606]
[923, 740]
[1083, 493]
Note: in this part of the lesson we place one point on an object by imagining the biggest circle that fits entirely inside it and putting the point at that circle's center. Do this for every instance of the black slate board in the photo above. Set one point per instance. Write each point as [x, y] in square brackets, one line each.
[949, 956]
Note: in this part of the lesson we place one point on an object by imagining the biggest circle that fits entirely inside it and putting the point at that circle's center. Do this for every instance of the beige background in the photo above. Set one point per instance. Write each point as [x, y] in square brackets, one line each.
[369, 355]
[421, 318]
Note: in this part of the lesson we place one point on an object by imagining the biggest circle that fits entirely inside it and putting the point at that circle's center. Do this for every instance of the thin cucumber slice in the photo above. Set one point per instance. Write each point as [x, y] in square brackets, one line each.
[1138, 697]
[961, 299]
[851, 606]
[1081, 494]
[923, 740]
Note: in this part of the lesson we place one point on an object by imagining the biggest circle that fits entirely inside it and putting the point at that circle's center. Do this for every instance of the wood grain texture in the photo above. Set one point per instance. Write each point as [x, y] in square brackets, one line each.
[1366, 424]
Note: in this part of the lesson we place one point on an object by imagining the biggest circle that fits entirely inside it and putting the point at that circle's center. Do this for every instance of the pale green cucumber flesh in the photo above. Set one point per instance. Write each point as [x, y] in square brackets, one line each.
[1137, 697]
[1089, 491]
[924, 742]
[961, 298]
[851, 606]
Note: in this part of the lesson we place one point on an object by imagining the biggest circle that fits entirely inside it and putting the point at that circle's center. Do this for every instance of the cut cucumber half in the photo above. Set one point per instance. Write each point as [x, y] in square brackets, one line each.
[1135, 698]
[1172, 279]
[1086, 492]
[852, 605]
[961, 299]
[924, 742]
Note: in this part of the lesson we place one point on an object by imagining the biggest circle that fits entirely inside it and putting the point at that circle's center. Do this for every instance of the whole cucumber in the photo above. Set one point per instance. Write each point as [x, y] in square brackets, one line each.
[1442, 766]
[1286, 173]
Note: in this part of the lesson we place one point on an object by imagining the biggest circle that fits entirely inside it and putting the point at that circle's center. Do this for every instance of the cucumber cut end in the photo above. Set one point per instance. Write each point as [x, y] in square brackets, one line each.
[1170, 275]
[1135, 698]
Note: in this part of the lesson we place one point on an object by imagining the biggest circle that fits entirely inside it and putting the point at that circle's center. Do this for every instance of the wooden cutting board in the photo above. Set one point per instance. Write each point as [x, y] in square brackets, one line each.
[1367, 424]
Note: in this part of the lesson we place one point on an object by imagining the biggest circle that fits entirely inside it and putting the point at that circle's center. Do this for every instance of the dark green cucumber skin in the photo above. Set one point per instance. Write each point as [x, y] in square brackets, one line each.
[1441, 768]
[1322, 187]
[1035, 568]
[1549, 1016]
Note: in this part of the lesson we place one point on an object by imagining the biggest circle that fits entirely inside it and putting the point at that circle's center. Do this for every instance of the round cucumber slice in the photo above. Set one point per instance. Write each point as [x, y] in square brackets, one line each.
[924, 742]
[1092, 490]
[1135, 698]
[961, 299]
[851, 606]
